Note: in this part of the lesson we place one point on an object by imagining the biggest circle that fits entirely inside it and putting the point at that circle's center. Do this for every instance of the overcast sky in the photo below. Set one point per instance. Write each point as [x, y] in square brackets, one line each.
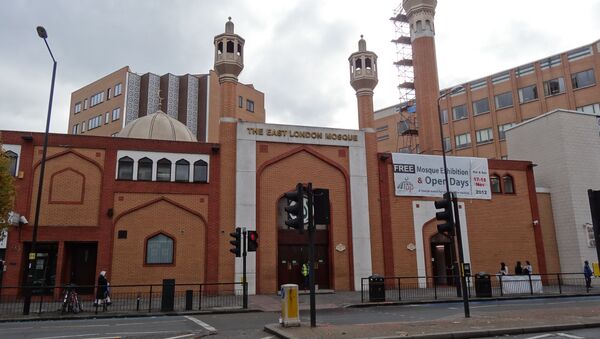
[296, 50]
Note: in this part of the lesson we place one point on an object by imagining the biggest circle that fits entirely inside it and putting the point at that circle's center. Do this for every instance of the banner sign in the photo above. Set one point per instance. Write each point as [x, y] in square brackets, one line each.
[423, 175]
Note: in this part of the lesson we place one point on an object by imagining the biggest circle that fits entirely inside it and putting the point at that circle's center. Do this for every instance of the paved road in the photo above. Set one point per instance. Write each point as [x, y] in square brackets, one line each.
[250, 325]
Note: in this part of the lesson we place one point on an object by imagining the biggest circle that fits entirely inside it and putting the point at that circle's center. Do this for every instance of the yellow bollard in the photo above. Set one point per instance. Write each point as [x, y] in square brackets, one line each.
[290, 314]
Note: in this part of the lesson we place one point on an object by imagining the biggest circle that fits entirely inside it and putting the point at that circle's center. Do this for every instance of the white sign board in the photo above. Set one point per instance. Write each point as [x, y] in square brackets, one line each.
[423, 175]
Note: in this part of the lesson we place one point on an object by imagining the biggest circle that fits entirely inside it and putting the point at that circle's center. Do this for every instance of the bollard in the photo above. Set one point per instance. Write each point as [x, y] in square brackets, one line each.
[137, 304]
[189, 297]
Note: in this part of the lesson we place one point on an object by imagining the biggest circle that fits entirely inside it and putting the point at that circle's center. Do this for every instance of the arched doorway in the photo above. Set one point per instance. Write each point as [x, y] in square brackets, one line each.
[441, 259]
[292, 252]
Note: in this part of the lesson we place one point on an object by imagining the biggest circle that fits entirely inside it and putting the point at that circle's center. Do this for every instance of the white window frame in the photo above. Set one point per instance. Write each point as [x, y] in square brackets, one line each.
[463, 140]
[483, 136]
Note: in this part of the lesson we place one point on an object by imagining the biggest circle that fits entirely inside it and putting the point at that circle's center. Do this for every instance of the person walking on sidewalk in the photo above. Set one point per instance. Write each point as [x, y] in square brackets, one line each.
[587, 273]
[102, 294]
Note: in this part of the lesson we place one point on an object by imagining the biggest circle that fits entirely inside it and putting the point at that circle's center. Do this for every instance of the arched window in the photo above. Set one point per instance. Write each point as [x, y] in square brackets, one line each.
[163, 170]
[125, 171]
[495, 183]
[428, 24]
[239, 50]
[220, 47]
[419, 25]
[509, 186]
[12, 162]
[182, 170]
[200, 171]
[230, 45]
[159, 250]
[368, 63]
[144, 169]
[358, 64]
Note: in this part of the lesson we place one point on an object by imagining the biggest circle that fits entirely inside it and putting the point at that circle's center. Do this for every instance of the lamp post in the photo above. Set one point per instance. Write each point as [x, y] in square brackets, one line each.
[32, 252]
[461, 259]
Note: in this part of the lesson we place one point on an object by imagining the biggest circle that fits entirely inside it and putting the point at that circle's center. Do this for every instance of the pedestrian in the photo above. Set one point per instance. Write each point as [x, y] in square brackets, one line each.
[587, 273]
[518, 269]
[305, 276]
[102, 290]
[503, 269]
[528, 269]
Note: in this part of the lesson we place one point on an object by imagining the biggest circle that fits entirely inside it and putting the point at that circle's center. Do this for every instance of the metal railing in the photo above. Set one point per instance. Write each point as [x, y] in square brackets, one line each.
[125, 298]
[405, 288]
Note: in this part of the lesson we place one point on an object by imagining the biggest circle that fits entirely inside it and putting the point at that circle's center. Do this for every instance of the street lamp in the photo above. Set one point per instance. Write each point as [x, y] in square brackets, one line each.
[461, 259]
[32, 252]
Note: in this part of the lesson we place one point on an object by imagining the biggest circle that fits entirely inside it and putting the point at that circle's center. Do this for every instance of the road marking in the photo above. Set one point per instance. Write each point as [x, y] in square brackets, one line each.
[68, 336]
[569, 336]
[202, 323]
[541, 336]
[182, 336]
[556, 334]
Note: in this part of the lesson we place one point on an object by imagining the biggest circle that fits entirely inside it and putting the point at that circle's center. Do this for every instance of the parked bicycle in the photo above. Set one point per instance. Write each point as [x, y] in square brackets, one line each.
[71, 302]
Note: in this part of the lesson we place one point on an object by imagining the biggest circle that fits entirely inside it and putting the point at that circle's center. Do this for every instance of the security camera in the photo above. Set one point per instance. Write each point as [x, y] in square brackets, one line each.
[23, 220]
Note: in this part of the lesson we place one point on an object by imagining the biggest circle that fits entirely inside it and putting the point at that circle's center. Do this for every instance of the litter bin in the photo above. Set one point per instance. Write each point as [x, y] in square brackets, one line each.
[376, 289]
[483, 285]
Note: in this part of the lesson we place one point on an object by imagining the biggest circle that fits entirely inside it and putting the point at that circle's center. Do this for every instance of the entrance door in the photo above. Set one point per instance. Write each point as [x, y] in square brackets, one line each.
[80, 265]
[441, 259]
[293, 252]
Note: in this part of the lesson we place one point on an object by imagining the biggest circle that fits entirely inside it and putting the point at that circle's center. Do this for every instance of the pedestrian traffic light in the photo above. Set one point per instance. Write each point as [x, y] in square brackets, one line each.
[252, 241]
[236, 242]
[295, 208]
[446, 215]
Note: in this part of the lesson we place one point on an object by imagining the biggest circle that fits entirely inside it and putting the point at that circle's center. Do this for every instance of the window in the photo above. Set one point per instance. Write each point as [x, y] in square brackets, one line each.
[95, 122]
[200, 171]
[83, 127]
[108, 94]
[12, 162]
[75, 128]
[159, 250]
[85, 104]
[524, 70]
[106, 118]
[383, 137]
[444, 116]
[478, 84]
[182, 170]
[144, 169]
[502, 129]
[122, 234]
[78, 107]
[463, 140]
[503, 100]
[240, 101]
[382, 128]
[459, 112]
[163, 170]
[249, 105]
[583, 79]
[96, 99]
[447, 144]
[495, 184]
[550, 62]
[481, 106]
[554, 86]
[508, 184]
[117, 89]
[528, 93]
[501, 77]
[125, 171]
[484, 135]
[116, 113]
[593, 108]
[402, 127]
[579, 53]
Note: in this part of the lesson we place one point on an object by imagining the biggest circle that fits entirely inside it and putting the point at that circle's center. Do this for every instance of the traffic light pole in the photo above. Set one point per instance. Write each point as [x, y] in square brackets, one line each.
[244, 280]
[311, 256]
[461, 257]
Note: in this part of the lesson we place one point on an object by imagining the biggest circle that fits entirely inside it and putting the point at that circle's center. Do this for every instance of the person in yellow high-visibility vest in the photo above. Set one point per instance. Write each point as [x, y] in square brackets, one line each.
[305, 275]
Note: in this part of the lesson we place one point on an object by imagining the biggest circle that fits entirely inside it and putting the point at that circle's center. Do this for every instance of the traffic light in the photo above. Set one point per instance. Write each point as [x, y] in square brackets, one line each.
[295, 208]
[446, 215]
[252, 241]
[236, 242]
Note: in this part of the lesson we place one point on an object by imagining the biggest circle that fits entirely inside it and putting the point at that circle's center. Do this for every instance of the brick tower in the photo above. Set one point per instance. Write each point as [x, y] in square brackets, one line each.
[363, 78]
[420, 17]
[229, 62]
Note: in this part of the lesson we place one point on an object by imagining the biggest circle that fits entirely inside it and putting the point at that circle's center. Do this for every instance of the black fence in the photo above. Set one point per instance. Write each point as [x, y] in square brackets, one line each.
[378, 289]
[124, 299]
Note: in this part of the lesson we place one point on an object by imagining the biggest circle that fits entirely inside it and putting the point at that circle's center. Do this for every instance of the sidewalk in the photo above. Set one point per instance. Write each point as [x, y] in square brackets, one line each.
[481, 324]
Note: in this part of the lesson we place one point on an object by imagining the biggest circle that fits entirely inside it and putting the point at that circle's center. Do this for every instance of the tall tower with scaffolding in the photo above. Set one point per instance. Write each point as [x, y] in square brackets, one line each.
[407, 139]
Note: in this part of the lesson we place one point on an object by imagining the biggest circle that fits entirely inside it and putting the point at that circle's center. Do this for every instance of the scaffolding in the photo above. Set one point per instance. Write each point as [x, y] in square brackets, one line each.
[407, 141]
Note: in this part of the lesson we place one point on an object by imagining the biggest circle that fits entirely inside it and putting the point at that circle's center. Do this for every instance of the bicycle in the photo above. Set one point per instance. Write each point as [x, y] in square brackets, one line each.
[71, 302]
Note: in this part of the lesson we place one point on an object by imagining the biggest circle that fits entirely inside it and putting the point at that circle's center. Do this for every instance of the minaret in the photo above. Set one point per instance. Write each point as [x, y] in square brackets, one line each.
[363, 78]
[422, 31]
[229, 62]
